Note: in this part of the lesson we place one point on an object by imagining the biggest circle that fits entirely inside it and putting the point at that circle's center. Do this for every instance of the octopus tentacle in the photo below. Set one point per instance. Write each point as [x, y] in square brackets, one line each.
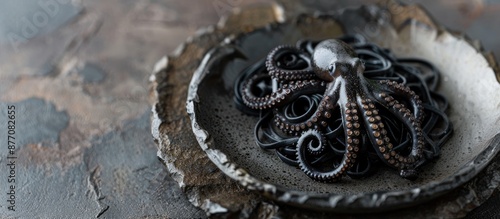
[375, 129]
[363, 166]
[283, 95]
[407, 93]
[289, 63]
[323, 112]
[317, 120]
[352, 130]
[412, 120]
[352, 134]
[405, 163]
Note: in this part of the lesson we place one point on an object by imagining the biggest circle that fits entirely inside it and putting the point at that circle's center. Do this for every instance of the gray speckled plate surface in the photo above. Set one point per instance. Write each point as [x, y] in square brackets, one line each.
[468, 80]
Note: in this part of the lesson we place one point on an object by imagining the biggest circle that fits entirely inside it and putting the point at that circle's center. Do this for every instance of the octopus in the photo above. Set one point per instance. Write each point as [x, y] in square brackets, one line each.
[355, 118]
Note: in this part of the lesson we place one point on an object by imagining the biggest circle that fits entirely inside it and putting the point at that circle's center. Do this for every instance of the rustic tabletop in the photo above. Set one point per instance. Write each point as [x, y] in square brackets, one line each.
[74, 97]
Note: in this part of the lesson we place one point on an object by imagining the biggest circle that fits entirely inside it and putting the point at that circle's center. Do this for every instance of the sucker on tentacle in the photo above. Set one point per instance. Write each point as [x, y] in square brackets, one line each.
[283, 94]
[329, 111]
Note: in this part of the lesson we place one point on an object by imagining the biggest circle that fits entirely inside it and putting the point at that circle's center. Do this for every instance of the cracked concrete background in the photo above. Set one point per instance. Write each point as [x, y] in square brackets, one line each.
[78, 73]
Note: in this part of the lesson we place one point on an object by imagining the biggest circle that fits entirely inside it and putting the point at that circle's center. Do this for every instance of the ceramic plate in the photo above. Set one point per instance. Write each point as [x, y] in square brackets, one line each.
[468, 81]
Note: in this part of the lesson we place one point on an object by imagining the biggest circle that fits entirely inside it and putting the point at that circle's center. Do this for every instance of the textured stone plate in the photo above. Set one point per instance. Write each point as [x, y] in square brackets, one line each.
[469, 80]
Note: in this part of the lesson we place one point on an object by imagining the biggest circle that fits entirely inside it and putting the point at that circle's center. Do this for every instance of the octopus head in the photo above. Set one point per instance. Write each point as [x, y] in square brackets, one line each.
[334, 58]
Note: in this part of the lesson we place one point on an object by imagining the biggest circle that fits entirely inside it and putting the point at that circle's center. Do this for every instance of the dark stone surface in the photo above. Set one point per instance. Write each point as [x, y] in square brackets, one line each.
[489, 209]
[48, 123]
[91, 73]
[127, 178]
[73, 115]
[119, 177]
[24, 19]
